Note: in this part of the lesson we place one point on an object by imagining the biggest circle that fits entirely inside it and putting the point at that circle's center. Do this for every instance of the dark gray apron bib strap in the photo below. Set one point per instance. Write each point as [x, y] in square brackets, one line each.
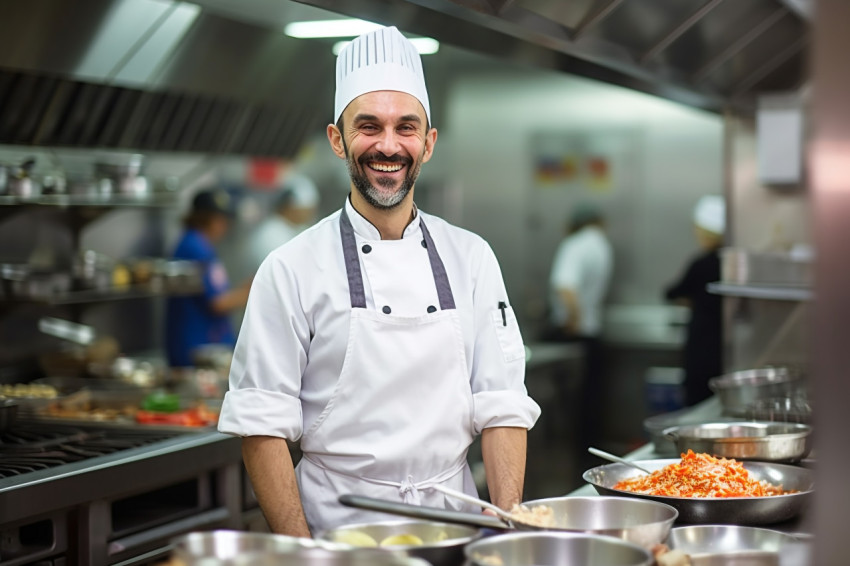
[355, 277]
[441, 279]
[352, 262]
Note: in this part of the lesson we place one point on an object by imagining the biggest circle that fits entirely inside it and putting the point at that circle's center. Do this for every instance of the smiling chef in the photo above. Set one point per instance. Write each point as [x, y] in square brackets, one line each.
[382, 337]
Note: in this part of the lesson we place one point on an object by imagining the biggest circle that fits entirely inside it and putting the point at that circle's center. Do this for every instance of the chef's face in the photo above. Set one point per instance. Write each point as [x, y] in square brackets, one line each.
[385, 140]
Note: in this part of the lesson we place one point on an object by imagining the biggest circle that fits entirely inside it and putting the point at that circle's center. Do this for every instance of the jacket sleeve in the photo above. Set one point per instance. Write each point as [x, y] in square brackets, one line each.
[269, 359]
[498, 366]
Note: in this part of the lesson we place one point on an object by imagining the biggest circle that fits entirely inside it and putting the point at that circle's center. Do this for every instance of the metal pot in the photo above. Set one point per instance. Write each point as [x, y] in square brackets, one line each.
[767, 441]
[556, 549]
[8, 413]
[442, 542]
[738, 390]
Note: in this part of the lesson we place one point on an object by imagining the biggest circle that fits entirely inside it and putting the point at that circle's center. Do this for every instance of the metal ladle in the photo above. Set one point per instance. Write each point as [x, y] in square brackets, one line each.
[611, 458]
[475, 501]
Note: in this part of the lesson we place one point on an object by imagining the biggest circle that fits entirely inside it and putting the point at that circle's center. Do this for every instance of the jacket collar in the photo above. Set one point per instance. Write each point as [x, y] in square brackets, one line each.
[366, 230]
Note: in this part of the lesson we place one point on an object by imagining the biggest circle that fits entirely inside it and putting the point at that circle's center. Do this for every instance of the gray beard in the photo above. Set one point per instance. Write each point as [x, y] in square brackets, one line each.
[375, 197]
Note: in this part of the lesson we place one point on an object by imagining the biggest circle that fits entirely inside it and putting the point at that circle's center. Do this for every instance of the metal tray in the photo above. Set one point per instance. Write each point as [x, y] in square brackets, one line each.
[766, 441]
[732, 510]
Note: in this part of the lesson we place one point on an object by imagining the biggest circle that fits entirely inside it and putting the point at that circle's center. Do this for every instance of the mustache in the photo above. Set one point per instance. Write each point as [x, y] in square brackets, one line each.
[378, 156]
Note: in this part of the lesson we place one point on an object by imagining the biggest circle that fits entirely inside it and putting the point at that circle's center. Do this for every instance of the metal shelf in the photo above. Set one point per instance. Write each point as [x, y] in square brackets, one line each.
[771, 292]
[103, 295]
[149, 200]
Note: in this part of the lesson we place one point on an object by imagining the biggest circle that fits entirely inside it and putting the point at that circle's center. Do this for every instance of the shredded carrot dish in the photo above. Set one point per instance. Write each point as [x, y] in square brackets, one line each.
[701, 475]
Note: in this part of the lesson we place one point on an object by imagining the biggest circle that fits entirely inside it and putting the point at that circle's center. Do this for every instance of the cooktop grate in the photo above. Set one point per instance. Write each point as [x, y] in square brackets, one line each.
[36, 446]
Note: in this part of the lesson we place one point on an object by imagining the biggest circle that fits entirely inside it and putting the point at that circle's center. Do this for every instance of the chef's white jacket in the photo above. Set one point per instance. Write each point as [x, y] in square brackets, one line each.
[583, 263]
[293, 340]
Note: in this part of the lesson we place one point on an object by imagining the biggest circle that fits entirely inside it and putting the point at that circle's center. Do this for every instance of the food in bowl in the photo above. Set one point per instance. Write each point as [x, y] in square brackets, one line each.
[536, 516]
[701, 476]
[365, 540]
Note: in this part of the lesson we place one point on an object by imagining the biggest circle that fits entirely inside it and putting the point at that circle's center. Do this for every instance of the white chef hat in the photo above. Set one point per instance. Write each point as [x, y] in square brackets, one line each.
[379, 60]
[710, 213]
[298, 191]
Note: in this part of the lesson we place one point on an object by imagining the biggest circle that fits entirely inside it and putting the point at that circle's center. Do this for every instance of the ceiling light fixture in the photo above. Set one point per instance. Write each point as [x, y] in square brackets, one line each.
[424, 45]
[351, 27]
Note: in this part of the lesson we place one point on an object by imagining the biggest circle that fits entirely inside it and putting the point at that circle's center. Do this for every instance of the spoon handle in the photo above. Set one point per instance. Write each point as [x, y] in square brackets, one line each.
[474, 500]
[612, 458]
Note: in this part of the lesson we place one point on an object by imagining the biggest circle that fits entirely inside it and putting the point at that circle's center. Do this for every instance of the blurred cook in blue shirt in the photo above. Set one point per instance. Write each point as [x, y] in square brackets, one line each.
[196, 320]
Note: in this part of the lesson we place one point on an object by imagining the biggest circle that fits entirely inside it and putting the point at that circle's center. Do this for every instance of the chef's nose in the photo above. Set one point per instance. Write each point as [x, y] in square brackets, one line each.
[388, 142]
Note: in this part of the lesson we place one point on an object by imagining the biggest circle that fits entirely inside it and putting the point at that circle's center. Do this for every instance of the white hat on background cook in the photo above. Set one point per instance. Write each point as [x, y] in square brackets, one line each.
[710, 213]
[379, 60]
[299, 191]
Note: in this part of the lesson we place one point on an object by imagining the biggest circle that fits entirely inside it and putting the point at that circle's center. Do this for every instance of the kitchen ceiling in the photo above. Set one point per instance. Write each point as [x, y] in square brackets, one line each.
[220, 76]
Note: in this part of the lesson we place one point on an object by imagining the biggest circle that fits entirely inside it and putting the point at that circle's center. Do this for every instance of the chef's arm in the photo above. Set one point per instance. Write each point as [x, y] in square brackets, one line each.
[503, 449]
[570, 300]
[272, 474]
[233, 299]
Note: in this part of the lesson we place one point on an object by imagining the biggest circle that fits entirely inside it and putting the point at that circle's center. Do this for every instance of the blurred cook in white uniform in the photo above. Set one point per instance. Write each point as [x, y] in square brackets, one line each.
[381, 338]
[294, 211]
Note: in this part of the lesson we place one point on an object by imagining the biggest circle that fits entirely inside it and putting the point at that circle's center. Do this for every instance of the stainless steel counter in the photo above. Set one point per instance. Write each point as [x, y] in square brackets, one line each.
[124, 507]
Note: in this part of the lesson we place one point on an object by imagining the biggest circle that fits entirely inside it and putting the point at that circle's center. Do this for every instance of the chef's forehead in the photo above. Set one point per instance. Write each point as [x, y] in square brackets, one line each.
[385, 104]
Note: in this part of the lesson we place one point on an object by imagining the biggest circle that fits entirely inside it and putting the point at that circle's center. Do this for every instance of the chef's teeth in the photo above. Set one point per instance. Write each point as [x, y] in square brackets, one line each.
[385, 168]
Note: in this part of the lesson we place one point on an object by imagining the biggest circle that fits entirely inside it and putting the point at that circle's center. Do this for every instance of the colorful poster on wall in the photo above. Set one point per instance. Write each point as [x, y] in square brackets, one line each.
[578, 161]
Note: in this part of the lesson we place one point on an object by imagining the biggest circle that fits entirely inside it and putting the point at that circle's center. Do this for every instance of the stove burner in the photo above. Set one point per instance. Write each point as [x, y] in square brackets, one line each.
[38, 446]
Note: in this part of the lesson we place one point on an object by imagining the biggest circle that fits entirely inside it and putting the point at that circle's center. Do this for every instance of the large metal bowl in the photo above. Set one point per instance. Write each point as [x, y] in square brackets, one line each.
[442, 542]
[556, 549]
[645, 523]
[738, 390]
[714, 539]
[766, 441]
[720, 510]
[236, 548]
[710, 545]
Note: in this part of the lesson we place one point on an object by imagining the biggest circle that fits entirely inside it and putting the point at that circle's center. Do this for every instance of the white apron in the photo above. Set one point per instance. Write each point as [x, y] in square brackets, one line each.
[400, 417]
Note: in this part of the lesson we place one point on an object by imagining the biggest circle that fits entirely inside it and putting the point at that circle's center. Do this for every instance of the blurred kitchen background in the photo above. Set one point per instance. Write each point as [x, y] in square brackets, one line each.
[127, 107]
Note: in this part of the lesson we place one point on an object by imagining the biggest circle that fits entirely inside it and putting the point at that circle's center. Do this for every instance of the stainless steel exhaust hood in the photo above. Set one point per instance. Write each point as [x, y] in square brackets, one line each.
[220, 76]
[157, 75]
[712, 54]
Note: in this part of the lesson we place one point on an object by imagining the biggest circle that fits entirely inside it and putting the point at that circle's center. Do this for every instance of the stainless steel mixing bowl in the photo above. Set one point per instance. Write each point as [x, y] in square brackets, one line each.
[765, 441]
[556, 549]
[442, 542]
[645, 523]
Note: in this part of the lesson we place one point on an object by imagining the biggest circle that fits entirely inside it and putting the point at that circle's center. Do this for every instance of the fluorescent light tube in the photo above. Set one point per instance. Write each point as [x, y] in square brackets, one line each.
[424, 45]
[329, 28]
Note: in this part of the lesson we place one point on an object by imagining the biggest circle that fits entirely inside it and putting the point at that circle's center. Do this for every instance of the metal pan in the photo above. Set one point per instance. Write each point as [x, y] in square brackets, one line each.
[720, 510]
[765, 441]
[645, 523]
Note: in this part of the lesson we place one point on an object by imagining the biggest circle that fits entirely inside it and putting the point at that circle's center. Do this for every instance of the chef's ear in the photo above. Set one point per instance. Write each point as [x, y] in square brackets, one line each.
[430, 141]
[335, 138]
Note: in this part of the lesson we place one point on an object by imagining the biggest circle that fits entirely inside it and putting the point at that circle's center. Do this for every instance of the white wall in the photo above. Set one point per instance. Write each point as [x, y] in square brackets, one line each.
[676, 155]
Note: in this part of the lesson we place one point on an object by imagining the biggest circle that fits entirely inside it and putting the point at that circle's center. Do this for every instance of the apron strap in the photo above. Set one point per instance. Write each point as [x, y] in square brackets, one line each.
[356, 290]
[441, 279]
[352, 262]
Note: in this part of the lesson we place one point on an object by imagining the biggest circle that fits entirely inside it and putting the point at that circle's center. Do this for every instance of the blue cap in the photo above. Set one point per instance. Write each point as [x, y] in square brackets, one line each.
[214, 200]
